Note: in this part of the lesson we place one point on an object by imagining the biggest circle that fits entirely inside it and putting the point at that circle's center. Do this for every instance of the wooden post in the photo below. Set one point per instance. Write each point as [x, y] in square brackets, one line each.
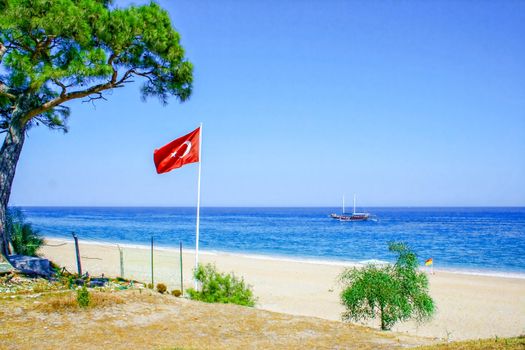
[79, 265]
[121, 253]
[181, 276]
[152, 280]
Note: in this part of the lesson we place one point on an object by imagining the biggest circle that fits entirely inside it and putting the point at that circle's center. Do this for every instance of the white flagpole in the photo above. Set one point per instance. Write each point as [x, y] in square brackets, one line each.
[198, 205]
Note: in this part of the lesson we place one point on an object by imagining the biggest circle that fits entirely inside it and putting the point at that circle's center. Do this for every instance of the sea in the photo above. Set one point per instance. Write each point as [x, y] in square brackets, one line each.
[487, 241]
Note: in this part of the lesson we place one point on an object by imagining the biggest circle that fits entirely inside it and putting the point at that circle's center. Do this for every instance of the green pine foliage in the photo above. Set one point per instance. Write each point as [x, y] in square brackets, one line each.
[24, 238]
[219, 287]
[393, 292]
[55, 51]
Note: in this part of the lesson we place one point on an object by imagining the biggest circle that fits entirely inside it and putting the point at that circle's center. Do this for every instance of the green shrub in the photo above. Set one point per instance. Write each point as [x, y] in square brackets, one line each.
[83, 297]
[219, 287]
[161, 288]
[393, 292]
[176, 293]
[24, 238]
[70, 281]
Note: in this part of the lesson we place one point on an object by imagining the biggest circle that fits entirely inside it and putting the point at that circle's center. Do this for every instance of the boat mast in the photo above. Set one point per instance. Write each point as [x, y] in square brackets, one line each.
[354, 203]
[343, 203]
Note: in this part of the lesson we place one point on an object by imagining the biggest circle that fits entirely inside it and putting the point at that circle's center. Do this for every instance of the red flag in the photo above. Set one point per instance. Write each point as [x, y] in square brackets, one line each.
[177, 153]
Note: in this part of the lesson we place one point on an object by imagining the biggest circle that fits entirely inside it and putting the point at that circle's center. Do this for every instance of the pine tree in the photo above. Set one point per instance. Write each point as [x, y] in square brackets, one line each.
[55, 51]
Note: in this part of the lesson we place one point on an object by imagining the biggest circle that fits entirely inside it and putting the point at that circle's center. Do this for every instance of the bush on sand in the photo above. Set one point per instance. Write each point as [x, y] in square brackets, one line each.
[219, 287]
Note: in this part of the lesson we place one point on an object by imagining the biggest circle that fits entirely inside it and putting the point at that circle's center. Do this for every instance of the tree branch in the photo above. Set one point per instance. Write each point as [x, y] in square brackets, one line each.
[113, 83]
[146, 75]
[3, 50]
[62, 86]
[112, 58]
[6, 94]
[4, 91]
[94, 90]
[110, 62]
[98, 96]
[125, 77]
[66, 97]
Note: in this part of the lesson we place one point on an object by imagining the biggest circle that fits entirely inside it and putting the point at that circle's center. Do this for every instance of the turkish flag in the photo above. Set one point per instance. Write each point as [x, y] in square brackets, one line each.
[177, 153]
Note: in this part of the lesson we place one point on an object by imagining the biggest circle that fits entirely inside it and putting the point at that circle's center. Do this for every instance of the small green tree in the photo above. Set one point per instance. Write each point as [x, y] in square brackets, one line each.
[392, 292]
[83, 297]
[24, 238]
[219, 287]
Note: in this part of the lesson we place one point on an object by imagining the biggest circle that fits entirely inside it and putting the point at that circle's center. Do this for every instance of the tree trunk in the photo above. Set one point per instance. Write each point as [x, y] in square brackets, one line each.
[383, 325]
[9, 155]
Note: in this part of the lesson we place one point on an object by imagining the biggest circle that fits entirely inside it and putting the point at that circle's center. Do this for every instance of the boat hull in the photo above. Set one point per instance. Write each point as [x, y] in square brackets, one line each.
[353, 217]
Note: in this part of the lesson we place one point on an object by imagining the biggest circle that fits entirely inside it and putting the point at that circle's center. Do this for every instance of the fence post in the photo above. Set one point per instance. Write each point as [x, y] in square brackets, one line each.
[152, 281]
[181, 277]
[79, 265]
[121, 253]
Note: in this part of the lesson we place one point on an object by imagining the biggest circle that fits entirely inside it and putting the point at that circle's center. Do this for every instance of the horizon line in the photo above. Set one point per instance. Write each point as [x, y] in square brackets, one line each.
[263, 206]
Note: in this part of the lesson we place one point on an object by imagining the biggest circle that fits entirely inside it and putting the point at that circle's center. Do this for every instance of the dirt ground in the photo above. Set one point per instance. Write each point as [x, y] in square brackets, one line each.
[142, 319]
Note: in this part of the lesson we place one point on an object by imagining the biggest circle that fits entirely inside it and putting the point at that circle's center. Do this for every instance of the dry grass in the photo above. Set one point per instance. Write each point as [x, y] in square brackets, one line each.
[38, 314]
[58, 303]
[143, 319]
[68, 301]
[149, 320]
[16, 284]
[481, 344]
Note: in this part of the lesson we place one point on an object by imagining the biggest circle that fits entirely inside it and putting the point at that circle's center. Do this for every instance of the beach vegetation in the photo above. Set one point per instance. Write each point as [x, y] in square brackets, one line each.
[496, 343]
[217, 287]
[68, 301]
[161, 288]
[41, 286]
[176, 293]
[58, 303]
[83, 297]
[54, 52]
[392, 293]
[64, 277]
[70, 281]
[25, 239]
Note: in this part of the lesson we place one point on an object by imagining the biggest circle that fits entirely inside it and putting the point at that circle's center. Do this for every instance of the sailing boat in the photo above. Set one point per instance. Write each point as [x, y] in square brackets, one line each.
[353, 217]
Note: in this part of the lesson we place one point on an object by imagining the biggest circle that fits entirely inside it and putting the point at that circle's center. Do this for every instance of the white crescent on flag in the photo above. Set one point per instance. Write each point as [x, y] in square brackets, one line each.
[188, 148]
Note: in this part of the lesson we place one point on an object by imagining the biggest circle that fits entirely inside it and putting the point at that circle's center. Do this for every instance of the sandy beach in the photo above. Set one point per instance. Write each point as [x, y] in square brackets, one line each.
[468, 306]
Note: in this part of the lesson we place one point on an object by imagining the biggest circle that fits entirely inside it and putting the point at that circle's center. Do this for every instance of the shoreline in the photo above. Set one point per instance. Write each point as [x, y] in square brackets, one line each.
[192, 207]
[284, 258]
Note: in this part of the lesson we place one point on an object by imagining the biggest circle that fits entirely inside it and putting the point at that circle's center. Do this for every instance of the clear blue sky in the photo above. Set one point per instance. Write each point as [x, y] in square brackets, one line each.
[406, 103]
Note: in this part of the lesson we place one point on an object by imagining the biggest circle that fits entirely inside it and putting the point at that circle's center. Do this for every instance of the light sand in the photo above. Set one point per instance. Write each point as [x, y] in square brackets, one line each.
[469, 306]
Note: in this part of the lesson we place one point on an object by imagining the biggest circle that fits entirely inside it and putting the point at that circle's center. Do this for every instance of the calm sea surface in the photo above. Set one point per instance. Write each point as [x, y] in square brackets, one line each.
[473, 239]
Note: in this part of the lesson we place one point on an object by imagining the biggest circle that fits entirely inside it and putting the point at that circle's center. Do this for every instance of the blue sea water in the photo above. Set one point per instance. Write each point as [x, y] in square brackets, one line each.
[490, 240]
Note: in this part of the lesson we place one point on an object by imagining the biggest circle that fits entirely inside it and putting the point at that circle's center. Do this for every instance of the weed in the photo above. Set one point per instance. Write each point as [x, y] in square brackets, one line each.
[83, 298]
[161, 288]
